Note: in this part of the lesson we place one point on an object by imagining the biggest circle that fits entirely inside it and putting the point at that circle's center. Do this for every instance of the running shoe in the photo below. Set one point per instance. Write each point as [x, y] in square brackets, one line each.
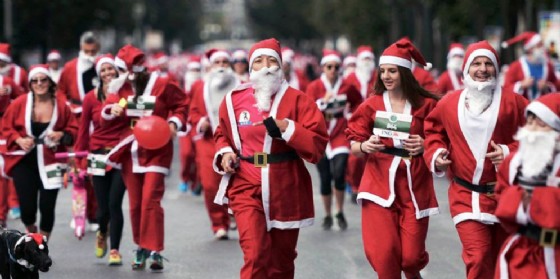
[15, 213]
[183, 187]
[221, 234]
[101, 245]
[341, 221]
[139, 259]
[156, 262]
[115, 257]
[327, 223]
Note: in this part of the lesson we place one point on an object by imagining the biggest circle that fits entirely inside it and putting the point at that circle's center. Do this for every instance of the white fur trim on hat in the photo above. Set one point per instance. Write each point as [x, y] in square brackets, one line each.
[138, 68]
[349, 60]
[385, 59]
[330, 58]
[545, 114]
[365, 54]
[120, 63]
[194, 65]
[535, 40]
[263, 51]
[101, 62]
[53, 56]
[481, 52]
[218, 54]
[5, 57]
[456, 51]
[38, 70]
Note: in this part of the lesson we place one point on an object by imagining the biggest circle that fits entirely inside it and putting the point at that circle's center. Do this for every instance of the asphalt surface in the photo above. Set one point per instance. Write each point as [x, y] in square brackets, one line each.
[193, 253]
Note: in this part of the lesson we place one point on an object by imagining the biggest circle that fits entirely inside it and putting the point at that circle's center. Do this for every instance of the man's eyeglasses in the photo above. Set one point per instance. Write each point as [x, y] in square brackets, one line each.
[240, 61]
[37, 80]
[330, 67]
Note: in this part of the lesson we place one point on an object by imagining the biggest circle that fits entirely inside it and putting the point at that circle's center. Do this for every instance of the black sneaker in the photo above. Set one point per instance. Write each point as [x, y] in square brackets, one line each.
[327, 223]
[156, 262]
[139, 262]
[341, 221]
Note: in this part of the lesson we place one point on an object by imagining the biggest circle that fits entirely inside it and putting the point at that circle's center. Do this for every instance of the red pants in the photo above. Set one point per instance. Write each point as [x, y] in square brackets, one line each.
[91, 207]
[481, 244]
[218, 214]
[145, 191]
[394, 240]
[8, 197]
[266, 254]
[355, 171]
[187, 158]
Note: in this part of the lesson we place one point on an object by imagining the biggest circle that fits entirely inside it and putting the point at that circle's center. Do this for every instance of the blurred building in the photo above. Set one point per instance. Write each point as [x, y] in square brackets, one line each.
[224, 20]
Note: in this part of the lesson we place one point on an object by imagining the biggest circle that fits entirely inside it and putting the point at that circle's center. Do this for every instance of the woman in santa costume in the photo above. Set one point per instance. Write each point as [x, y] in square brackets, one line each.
[143, 170]
[528, 195]
[266, 129]
[107, 182]
[35, 127]
[335, 98]
[396, 192]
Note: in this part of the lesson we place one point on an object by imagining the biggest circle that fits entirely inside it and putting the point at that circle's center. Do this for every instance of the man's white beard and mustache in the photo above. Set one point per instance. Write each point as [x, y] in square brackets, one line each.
[220, 78]
[364, 69]
[266, 82]
[479, 93]
[455, 64]
[5, 70]
[538, 55]
[87, 60]
[537, 150]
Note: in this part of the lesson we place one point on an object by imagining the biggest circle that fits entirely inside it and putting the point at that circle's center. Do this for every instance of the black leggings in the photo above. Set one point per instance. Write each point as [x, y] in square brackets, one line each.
[332, 169]
[109, 191]
[28, 186]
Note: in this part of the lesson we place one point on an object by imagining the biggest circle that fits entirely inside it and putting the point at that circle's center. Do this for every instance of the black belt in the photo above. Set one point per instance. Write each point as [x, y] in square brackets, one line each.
[397, 152]
[485, 189]
[38, 141]
[330, 116]
[261, 160]
[528, 183]
[75, 102]
[102, 151]
[545, 237]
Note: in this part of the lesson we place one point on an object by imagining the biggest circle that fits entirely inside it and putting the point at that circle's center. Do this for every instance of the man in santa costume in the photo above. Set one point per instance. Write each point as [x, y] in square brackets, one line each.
[532, 75]
[207, 95]
[193, 74]
[143, 170]
[266, 129]
[12, 70]
[348, 65]
[471, 131]
[451, 79]
[296, 79]
[161, 61]
[240, 65]
[527, 193]
[53, 60]
[335, 97]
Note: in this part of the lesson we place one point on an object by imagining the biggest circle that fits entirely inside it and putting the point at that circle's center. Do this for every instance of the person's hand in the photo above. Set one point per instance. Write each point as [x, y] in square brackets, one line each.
[5, 90]
[204, 125]
[282, 124]
[55, 136]
[327, 96]
[526, 199]
[542, 85]
[228, 162]
[496, 156]
[527, 82]
[414, 145]
[441, 161]
[116, 110]
[372, 145]
[26, 143]
[173, 129]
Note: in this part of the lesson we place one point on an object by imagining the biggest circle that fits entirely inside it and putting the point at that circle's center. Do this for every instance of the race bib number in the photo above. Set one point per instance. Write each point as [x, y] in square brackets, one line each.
[392, 125]
[96, 164]
[336, 104]
[55, 173]
[144, 106]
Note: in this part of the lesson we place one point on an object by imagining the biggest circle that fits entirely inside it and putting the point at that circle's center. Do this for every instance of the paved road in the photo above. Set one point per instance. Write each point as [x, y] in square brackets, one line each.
[193, 253]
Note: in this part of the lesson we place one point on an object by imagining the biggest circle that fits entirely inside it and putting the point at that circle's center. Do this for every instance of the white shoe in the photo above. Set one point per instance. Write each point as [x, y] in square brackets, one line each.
[72, 224]
[221, 234]
[93, 227]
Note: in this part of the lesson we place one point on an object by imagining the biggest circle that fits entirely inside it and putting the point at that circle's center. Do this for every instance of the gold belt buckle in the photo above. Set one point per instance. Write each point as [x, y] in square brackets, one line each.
[260, 159]
[548, 238]
[133, 123]
[490, 194]
[328, 117]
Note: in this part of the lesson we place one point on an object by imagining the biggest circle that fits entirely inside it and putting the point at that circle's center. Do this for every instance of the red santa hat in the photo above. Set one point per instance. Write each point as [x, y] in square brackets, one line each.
[330, 55]
[288, 54]
[38, 69]
[102, 59]
[239, 56]
[401, 53]
[214, 54]
[5, 53]
[365, 52]
[130, 58]
[270, 47]
[194, 63]
[350, 59]
[53, 55]
[529, 39]
[547, 108]
[160, 57]
[482, 48]
[456, 49]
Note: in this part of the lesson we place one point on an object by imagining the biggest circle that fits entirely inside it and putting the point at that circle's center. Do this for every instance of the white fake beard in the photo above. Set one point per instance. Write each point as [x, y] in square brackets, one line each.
[364, 69]
[537, 150]
[539, 55]
[479, 94]
[191, 78]
[5, 70]
[266, 82]
[455, 64]
[220, 78]
[88, 60]
[116, 84]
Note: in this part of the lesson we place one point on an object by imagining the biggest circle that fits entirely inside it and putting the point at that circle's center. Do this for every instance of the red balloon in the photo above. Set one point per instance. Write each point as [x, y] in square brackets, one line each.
[152, 132]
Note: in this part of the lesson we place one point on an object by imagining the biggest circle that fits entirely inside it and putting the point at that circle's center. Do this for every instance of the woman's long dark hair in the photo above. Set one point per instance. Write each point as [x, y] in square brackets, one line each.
[411, 89]
[100, 92]
[140, 83]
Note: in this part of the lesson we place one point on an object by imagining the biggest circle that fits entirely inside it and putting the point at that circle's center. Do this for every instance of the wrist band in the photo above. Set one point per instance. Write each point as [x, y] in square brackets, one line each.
[361, 148]
[272, 128]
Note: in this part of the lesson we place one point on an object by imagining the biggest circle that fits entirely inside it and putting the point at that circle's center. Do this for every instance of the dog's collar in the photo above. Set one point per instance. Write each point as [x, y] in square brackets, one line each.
[22, 262]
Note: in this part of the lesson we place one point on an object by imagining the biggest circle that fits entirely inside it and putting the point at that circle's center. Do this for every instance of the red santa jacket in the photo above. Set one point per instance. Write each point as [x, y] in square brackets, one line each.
[378, 180]
[519, 70]
[287, 193]
[449, 82]
[19, 75]
[317, 89]
[449, 127]
[425, 79]
[170, 104]
[70, 86]
[17, 123]
[366, 89]
[298, 80]
[15, 91]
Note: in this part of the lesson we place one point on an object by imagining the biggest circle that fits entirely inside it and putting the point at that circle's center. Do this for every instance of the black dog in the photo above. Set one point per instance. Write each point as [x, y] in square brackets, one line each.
[22, 256]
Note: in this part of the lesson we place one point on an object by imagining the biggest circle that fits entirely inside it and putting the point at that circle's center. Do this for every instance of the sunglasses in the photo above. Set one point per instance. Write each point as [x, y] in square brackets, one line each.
[36, 80]
[330, 67]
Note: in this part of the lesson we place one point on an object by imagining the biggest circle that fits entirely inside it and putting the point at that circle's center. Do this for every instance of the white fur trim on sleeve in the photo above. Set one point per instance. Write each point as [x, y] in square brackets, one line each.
[505, 149]
[433, 163]
[177, 121]
[215, 161]
[521, 216]
[517, 88]
[106, 115]
[287, 135]
[322, 105]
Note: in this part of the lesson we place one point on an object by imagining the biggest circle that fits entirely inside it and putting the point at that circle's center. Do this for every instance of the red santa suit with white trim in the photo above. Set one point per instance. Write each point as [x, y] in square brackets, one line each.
[474, 129]
[207, 95]
[143, 170]
[17, 73]
[396, 192]
[271, 202]
[295, 78]
[528, 194]
[451, 79]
